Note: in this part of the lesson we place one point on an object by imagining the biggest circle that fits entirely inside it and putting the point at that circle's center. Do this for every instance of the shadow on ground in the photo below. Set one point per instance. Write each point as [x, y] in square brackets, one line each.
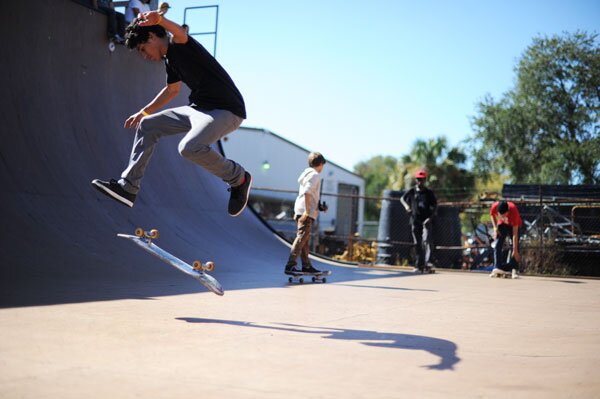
[445, 350]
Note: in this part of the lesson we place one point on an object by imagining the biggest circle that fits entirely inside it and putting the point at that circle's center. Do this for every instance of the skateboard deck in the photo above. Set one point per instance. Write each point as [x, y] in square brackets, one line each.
[503, 274]
[196, 270]
[426, 270]
[315, 277]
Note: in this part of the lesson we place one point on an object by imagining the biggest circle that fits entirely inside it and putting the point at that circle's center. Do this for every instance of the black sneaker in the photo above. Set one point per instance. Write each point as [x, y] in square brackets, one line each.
[239, 196]
[291, 269]
[310, 269]
[114, 190]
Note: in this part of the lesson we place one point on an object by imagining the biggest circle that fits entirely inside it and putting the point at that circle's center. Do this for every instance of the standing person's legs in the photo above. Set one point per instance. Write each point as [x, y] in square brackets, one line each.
[417, 233]
[503, 232]
[427, 235]
[207, 127]
[305, 250]
[301, 240]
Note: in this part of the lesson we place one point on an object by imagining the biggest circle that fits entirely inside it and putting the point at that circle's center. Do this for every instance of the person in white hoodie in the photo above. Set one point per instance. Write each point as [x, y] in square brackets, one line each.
[306, 210]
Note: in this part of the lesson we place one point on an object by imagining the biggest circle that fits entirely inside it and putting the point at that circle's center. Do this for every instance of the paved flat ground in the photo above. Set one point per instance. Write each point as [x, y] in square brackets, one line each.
[433, 336]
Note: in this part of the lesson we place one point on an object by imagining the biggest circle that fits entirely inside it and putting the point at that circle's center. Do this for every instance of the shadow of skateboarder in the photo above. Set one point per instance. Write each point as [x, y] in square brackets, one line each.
[444, 349]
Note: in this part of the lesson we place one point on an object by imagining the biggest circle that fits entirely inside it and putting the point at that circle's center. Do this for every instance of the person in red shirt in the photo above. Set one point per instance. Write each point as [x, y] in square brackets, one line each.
[506, 220]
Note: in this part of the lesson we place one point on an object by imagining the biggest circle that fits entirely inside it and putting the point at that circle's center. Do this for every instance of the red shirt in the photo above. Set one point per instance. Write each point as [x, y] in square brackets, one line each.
[511, 218]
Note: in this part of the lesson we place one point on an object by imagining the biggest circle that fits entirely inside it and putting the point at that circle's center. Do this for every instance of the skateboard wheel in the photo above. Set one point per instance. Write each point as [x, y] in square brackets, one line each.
[154, 233]
[139, 232]
[210, 266]
[314, 279]
[197, 265]
[324, 280]
[290, 280]
[301, 280]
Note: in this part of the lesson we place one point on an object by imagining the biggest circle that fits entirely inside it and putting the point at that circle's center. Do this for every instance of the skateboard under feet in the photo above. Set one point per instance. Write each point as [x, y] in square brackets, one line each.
[315, 277]
[504, 274]
[196, 270]
[426, 270]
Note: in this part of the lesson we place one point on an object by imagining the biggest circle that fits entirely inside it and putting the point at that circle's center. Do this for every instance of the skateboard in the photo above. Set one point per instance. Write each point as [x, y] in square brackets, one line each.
[196, 270]
[316, 277]
[504, 274]
[426, 270]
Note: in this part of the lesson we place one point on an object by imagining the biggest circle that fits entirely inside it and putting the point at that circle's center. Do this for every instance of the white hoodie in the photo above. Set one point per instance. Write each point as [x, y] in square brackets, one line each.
[310, 182]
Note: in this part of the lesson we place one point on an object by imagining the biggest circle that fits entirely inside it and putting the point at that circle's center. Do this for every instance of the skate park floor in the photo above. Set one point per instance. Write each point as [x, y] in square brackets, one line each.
[391, 335]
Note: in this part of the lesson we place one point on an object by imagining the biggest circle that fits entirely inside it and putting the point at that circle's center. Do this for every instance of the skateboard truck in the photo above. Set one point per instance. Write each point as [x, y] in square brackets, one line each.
[208, 266]
[149, 235]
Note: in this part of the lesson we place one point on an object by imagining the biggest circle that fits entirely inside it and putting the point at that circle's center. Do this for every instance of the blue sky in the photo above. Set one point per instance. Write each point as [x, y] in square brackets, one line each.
[357, 79]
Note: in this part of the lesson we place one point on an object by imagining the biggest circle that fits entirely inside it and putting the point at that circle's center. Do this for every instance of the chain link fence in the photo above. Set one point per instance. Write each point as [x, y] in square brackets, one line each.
[560, 236]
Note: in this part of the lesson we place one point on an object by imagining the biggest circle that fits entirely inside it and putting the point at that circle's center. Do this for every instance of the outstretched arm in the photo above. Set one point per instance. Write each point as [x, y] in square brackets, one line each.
[168, 93]
[156, 18]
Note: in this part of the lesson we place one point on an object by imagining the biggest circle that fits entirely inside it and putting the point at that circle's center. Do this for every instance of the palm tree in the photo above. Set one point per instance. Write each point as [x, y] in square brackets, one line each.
[445, 169]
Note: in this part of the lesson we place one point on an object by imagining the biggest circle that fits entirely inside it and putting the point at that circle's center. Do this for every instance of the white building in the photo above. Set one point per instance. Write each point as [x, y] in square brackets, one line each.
[276, 163]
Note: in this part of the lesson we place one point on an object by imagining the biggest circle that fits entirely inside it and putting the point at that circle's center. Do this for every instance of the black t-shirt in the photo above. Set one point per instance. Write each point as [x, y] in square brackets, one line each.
[211, 86]
[422, 202]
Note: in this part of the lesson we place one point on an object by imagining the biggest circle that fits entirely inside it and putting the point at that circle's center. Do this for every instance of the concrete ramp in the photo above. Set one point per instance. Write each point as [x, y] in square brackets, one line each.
[65, 98]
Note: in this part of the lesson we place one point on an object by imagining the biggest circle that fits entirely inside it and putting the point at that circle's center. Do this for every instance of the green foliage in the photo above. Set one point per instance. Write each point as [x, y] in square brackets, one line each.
[444, 165]
[546, 129]
[376, 172]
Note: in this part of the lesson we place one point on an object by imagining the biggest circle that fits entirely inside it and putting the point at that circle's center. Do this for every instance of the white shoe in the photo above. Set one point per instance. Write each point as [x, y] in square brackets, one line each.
[514, 274]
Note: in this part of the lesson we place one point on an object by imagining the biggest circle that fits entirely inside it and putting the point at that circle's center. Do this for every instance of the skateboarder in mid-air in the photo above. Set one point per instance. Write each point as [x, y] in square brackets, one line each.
[506, 220]
[421, 203]
[216, 108]
[306, 210]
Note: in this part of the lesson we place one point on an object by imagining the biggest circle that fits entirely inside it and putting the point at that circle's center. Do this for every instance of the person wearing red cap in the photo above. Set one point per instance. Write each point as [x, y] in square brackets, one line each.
[506, 220]
[421, 203]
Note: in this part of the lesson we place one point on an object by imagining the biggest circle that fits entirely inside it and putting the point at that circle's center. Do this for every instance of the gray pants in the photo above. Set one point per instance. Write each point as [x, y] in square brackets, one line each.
[421, 233]
[203, 129]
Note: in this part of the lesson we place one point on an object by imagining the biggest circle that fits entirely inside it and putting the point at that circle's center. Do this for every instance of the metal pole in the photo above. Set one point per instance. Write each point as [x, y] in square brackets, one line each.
[541, 227]
[216, 30]
[213, 33]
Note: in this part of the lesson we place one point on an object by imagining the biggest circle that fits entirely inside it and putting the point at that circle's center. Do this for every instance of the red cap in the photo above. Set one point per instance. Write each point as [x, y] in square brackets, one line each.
[421, 174]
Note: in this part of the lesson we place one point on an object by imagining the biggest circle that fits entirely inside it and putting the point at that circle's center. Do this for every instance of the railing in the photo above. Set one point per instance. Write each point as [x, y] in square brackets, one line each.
[560, 236]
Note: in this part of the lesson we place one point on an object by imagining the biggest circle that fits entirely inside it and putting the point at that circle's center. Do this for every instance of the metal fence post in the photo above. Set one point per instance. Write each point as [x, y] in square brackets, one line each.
[541, 229]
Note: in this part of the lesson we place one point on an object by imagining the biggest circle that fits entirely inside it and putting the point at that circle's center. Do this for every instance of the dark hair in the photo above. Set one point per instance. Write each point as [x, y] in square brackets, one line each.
[315, 159]
[502, 207]
[136, 34]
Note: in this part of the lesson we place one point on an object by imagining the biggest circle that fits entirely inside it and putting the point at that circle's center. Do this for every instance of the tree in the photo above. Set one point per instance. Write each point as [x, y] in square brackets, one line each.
[376, 172]
[445, 166]
[546, 129]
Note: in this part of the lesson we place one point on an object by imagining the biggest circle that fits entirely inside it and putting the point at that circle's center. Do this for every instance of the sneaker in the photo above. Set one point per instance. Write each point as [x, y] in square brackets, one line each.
[514, 274]
[114, 190]
[291, 269]
[239, 196]
[310, 269]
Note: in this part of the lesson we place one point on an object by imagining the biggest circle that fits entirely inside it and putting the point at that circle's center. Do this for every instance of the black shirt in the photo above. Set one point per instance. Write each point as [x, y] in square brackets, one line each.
[211, 86]
[422, 202]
